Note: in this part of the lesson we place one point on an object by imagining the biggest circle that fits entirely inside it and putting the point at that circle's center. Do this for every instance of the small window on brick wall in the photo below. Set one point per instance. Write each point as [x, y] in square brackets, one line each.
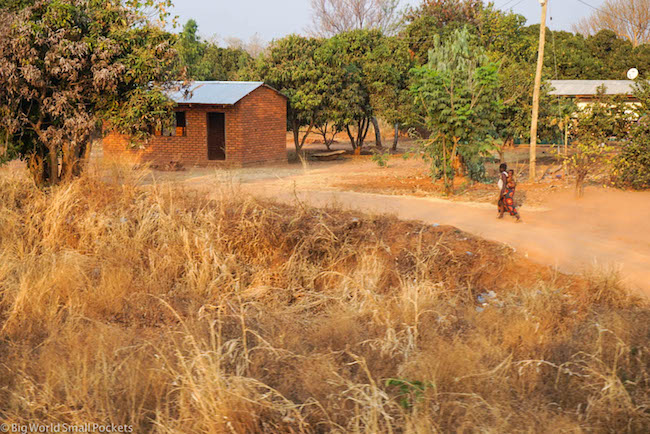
[180, 124]
[178, 129]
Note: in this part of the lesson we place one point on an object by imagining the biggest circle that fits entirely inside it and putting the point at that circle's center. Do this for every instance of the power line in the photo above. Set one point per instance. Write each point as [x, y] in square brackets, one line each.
[605, 12]
[506, 4]
[516, 4]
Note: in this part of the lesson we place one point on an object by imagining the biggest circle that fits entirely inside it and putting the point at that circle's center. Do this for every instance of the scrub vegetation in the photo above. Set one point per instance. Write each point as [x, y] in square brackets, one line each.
[157, 307]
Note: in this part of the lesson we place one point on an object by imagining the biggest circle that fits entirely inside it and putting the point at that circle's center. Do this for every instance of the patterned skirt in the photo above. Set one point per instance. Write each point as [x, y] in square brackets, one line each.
[507, 202]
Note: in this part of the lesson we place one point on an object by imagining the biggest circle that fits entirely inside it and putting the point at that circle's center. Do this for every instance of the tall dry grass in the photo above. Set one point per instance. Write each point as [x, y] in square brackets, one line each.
[160, 308]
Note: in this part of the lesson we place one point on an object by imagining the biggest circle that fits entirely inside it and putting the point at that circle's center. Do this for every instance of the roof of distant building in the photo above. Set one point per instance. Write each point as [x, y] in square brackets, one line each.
[215, 92]
[590, 87]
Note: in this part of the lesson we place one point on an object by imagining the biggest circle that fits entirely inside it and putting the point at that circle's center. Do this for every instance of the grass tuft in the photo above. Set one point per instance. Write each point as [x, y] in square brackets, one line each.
[157, 307]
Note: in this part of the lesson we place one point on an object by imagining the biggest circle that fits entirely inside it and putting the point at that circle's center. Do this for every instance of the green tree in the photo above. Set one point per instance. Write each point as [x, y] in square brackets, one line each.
[389, 66]
[505, 34]
[346, 58]
[515, 86]
[631, 167]
[204, 60]
[596, 124]
[457, 96]
[191, 50]
[224, 64]
[69, 65]
[569, 56]
[290, 65]
[612, 52]
[438, 17]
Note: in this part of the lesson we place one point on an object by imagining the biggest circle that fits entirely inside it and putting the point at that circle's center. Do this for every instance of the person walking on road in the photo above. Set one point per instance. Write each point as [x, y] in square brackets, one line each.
[507, 186]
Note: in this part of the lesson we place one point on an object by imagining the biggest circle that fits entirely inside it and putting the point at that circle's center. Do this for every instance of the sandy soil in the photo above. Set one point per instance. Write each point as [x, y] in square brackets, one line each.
[574, 237]
[606, 229]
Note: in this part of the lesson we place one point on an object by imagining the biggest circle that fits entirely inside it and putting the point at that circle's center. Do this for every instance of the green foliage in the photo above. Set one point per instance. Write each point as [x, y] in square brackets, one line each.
[456, 94]
[641, 90]
[381, 158]
[504, 33]
[410, 392]
[631, 167]
[204, 60]
[388, 66]
[338, 83]
[289, 66]
[596, 124]
[597, 57]
[67, 67]
[441, 18]
[190, 49]
[568, 55]
[351, 53]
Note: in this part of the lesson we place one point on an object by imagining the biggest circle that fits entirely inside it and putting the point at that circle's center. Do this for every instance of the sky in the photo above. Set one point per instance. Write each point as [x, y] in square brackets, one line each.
[276, 18]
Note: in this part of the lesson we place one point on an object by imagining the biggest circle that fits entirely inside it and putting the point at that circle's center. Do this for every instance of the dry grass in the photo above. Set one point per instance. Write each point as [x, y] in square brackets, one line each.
[156, 307]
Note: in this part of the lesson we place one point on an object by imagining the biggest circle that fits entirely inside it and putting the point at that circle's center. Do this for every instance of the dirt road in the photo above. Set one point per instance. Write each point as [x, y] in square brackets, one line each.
[605, 230]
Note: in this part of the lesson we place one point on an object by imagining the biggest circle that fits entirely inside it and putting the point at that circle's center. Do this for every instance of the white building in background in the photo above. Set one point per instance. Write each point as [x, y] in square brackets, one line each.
[584, 91]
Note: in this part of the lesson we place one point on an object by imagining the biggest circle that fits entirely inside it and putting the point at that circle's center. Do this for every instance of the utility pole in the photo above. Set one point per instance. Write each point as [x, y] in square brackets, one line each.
[538, 83]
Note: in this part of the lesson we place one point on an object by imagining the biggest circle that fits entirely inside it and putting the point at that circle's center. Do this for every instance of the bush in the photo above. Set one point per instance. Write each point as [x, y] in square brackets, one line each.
[595, 126]
[381, 158]
[631, 168]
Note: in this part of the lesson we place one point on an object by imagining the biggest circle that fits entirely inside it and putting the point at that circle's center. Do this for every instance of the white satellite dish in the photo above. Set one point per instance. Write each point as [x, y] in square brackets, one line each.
[632, 73]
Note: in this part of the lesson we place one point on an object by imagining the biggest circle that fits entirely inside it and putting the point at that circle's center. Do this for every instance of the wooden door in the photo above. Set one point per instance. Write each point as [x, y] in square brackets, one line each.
[216, 136]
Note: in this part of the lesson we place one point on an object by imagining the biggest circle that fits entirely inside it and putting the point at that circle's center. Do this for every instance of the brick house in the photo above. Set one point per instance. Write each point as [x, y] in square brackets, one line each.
[233, 123]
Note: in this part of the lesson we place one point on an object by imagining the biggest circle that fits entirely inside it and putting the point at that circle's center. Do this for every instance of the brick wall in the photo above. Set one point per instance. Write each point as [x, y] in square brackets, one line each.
[255, 134]
[265, 126]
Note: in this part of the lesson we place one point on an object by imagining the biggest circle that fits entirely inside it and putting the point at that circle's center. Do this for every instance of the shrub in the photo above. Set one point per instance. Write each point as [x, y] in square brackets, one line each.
[456, 93]
[381, 158]
[605, 118]
[631, 168]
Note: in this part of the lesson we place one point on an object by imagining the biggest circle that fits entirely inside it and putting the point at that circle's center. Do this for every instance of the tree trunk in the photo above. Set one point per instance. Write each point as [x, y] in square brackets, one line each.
[363, 131]
[38, 169]
[363, 125]
[304, 138]
[295, 127]
[54, 166]
[501, 150]
[323, 132]
[444, 166]
[375, 125]
[69, 161]
[580, 184]
[451, 160]
[396, 138]
[351, 136]
[86, 155]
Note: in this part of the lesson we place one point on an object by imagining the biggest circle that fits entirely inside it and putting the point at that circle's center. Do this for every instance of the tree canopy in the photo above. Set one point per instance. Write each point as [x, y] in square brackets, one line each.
[68, 65]
[291, 67]
[203, 60]
[456, 93]
[628, 19]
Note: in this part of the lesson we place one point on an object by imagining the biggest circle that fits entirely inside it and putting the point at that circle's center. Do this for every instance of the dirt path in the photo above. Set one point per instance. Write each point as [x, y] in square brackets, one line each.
[604, 230]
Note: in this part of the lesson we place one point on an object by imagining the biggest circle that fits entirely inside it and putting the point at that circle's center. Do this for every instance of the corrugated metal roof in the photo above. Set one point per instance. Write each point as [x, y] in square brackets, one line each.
[589, 87]
[214, 92]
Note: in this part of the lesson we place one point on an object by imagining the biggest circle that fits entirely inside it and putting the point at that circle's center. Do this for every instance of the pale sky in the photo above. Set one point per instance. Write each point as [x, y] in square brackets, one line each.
[274, 19]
